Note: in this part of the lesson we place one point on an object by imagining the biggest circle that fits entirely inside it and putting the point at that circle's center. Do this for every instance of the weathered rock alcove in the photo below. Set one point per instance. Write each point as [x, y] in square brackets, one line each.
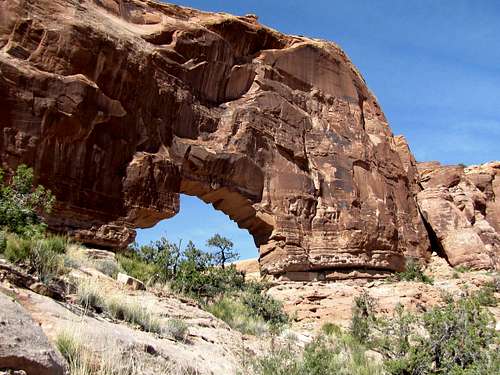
[121, 105]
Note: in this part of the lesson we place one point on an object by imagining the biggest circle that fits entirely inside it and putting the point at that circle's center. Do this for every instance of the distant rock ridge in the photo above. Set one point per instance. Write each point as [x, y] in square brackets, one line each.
[121, 105]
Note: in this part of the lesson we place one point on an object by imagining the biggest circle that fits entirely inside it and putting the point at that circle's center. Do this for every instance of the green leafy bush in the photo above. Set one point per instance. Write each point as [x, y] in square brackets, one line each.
[266, 307]
[486, 295]
[341, 355]
[413, 272]
[134, 266]
[363, 317]
[237, 315]
[22, 204]
[458, 338]
[207, 283]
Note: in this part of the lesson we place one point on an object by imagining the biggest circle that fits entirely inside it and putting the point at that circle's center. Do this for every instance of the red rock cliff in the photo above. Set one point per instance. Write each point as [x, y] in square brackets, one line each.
[121, 105]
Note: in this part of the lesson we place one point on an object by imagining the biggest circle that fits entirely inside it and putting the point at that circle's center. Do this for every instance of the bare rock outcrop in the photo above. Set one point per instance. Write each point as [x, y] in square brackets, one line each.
[23, 344]
[120, 106]
[461, 207]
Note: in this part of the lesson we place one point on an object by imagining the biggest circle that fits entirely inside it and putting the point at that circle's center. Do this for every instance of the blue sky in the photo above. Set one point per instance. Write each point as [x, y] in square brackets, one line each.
[433, 65]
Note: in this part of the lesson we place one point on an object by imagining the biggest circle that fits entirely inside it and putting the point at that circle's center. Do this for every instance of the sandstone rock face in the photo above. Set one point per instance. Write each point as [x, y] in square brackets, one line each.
[121, 105]
[461, 207]
[23, 345]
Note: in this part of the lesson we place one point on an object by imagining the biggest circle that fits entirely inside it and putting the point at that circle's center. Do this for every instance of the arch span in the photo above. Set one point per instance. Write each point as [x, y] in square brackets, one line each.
[120, 109]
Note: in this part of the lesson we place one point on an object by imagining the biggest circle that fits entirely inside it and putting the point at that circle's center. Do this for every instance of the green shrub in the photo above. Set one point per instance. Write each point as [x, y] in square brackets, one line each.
[413, 272]
[458, 338]
[3, 241]
[21, 204]
[341, 355]
[132, 312]
[91, 295]
[363, 317]
[486, 295]
[208, 283]
[177, 328]
[279, 362]
[237, 315]
[107, 267]
[265, 307]
[331, 329]
[17, 249]
[137, 268]
[462, 269]
[44, 256]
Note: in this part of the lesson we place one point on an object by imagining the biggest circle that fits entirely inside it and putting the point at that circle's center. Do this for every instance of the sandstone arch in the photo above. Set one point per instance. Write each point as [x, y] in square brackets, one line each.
[122, 105]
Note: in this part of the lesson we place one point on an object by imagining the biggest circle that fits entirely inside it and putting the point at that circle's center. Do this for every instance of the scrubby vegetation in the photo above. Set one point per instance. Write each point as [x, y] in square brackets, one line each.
[83, 359]
[22, 231]
[457, 338]
[330, 352]
[91, 295]
[22, 204]
[413, 272]
[207, 277]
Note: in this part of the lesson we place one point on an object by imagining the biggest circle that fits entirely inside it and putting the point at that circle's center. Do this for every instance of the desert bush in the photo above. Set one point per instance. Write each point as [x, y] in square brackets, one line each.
[132, 312]
[237, 315]
[486, 294]
[83, 359]
[208, 283]
[17, 249]
[413, 272]
[134, 266]
[90, 295]
[107, 267]
[177, 328]
[21, 203]
[3, 241]
[458, 338]
[462, 269]
[331, 329]
[265, 307]
[363, 317]
[325, 355]
[44, 256]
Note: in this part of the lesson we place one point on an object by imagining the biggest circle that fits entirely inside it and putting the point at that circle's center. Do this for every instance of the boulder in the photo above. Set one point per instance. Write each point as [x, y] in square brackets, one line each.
[23, 345]
[460, 207]
[130, 281]
[121, 106]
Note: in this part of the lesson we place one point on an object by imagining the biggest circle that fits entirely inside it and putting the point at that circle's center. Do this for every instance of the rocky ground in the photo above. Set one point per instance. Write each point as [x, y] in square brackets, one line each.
[209, 346]
[314, 303]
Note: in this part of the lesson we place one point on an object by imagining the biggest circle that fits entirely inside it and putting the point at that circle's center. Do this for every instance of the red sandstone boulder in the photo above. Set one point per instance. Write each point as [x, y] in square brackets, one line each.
[461, 208]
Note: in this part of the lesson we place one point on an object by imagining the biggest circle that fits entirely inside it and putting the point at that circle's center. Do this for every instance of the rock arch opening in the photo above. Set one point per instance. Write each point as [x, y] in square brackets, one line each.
[197, 222]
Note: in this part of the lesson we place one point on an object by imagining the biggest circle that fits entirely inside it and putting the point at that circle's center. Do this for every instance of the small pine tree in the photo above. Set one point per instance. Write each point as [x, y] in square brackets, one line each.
[223, 250]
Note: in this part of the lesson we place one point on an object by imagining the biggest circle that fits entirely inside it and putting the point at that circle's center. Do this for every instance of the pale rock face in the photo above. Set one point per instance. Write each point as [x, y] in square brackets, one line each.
[121, 106]
[461, 208]
[23, 345]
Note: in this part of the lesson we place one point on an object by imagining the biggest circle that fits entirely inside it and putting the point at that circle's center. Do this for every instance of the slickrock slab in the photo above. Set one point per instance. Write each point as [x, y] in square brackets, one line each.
[23, 345]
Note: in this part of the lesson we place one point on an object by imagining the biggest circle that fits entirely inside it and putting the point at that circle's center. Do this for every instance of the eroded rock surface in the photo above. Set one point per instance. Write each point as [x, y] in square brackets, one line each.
[122, 105]
[23, 344]
[461, 207]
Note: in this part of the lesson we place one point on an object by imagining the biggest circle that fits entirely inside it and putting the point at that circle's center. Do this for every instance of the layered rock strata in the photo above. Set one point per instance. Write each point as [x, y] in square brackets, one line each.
[121, 105]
